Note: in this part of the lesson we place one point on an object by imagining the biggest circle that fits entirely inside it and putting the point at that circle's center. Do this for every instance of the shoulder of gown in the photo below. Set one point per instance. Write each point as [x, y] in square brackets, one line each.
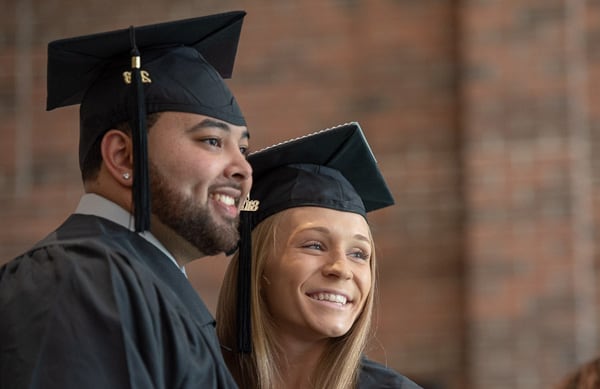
[376, 375]
[94, 299]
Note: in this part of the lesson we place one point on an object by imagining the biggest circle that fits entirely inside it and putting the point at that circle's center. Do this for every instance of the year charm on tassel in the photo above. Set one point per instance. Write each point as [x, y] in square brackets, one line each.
[145, 77]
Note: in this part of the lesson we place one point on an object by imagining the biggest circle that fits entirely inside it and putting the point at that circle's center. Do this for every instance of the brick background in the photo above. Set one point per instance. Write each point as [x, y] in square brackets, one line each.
[482, 117]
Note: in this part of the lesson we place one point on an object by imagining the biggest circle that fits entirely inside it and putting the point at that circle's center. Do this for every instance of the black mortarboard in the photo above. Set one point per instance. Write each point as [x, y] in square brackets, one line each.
[122, 75]
[334, 168]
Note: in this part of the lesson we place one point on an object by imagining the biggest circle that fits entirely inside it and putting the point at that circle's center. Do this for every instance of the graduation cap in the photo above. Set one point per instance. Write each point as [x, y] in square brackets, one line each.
[334, 168]
[123, 75]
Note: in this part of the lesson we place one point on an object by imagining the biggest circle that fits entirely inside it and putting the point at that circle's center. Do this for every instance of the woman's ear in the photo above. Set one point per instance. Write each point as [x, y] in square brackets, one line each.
[117, 155]
[266, 280]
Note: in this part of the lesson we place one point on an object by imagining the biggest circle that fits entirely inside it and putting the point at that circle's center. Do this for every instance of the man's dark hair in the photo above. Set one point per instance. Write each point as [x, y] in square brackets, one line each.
[91, 165]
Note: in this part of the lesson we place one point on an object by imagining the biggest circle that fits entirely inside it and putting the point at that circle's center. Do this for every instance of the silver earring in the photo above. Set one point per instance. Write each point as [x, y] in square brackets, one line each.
[126, 175]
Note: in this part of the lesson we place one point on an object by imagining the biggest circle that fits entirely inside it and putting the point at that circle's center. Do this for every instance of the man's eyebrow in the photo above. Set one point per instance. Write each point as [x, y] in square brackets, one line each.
[208, 123]
[211, 123]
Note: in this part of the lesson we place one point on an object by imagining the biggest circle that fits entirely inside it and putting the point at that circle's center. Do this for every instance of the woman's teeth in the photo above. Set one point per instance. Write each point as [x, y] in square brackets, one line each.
[336, 298]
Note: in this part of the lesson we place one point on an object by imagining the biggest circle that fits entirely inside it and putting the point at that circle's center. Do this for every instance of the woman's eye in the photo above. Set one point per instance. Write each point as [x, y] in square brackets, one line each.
[314, 246]
[360, 255]
[244, 150]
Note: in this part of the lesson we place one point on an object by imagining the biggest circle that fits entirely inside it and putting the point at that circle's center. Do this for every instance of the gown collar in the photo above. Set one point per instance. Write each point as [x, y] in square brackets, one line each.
[93, 204]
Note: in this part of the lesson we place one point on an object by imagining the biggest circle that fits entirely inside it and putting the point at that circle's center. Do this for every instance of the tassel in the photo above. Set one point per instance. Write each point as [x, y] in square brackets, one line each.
[141, 188]
[244, 328]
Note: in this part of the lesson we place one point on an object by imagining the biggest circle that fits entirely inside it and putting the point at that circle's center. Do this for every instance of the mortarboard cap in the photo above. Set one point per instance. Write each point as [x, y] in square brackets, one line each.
[122, 75]
[334, 168]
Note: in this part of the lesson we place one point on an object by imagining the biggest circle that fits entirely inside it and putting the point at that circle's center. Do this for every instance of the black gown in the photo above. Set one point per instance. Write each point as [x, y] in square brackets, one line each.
[95, 305]
[374, 375]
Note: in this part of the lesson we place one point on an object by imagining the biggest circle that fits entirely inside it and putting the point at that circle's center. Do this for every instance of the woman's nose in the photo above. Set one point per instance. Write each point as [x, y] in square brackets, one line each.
[338, 267]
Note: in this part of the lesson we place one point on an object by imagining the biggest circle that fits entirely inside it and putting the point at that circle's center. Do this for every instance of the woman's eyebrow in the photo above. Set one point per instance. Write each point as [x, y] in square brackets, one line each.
[362, 237]
[325, 230]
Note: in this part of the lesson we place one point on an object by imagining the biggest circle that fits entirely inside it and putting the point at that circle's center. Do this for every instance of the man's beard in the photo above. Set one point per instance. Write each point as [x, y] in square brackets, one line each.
[191, 221]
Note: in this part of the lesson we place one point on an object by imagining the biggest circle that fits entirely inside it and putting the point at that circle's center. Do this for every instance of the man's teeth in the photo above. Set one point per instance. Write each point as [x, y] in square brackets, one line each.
[336, 298]
[227, 200]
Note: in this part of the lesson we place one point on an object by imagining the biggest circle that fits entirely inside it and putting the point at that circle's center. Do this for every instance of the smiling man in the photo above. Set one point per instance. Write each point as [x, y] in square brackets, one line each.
[103, 301]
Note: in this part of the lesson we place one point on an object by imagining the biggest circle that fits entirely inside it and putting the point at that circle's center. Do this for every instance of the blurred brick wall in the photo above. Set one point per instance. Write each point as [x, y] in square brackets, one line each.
[528, 119]
[480, 113]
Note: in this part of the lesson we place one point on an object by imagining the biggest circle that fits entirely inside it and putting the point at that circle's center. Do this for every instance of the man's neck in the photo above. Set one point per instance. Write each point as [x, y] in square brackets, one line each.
[97, 205]
[182, 250]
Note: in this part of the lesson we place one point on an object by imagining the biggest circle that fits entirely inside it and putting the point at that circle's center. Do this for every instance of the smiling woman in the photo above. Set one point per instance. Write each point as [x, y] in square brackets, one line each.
[317, 278]
[304, 283]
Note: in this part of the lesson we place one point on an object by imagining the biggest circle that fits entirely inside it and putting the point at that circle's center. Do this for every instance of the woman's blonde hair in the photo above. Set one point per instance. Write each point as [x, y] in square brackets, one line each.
[586, 376]
[340, 363]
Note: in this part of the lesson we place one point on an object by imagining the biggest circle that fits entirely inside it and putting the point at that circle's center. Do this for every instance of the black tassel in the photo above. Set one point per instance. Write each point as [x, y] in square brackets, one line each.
[141, 188]
[244, 328]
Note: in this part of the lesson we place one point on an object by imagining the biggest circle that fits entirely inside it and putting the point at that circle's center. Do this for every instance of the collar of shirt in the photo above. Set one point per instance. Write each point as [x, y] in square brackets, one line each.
[93, 204]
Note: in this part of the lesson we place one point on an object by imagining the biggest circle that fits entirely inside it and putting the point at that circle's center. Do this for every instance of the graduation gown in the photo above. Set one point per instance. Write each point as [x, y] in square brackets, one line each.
[95, 305]
[374, 375]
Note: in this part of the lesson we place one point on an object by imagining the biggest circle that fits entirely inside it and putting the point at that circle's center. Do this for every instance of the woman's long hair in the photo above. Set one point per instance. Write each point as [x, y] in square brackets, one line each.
[340, 363]
[586, 376]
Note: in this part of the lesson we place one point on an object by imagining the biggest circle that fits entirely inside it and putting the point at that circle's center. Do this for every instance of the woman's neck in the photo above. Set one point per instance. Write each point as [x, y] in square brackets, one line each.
[299, 362]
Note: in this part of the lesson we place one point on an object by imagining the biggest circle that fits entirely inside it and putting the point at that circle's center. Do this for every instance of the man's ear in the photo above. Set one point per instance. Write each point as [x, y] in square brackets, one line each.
[117, 155]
